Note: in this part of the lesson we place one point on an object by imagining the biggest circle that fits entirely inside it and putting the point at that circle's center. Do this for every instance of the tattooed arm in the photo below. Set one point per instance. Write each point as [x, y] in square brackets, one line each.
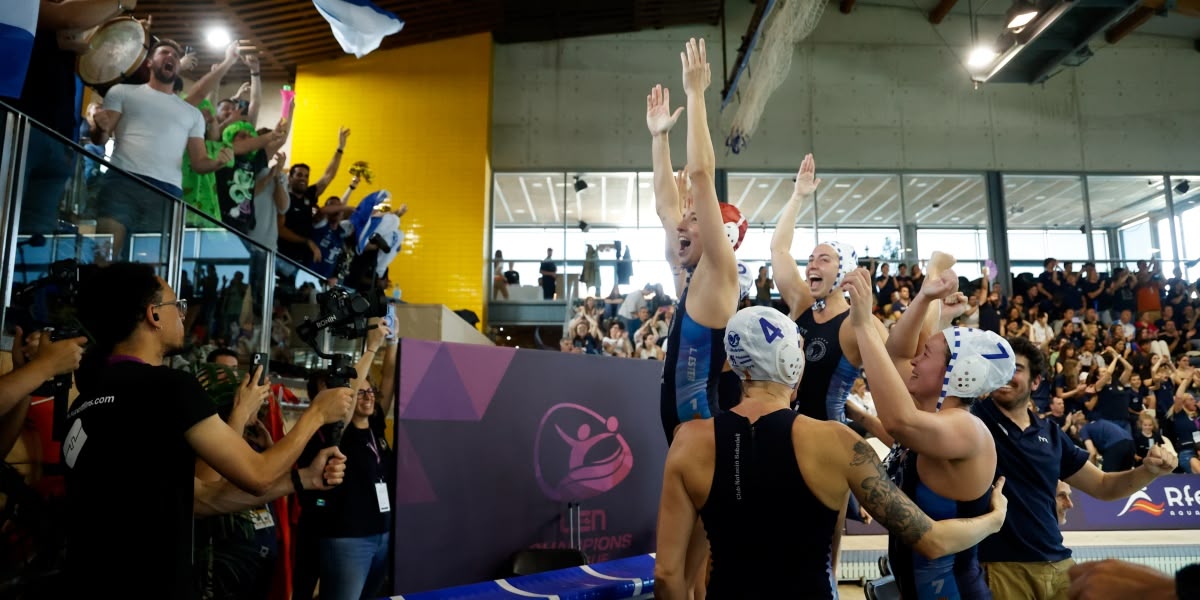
[884, 501]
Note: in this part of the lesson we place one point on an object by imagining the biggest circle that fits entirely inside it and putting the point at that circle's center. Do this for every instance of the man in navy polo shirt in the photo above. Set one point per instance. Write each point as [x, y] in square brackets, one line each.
[1027, 559]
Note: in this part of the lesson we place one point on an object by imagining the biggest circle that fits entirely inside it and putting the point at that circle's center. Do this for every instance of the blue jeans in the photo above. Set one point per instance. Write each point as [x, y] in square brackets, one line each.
[353, 568]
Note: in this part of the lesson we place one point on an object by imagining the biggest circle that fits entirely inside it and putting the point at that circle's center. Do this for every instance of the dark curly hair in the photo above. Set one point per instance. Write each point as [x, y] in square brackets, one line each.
[112, 301]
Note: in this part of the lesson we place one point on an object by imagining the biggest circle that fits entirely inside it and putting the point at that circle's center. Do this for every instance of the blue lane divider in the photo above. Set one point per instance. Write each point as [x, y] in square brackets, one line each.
[613, 580]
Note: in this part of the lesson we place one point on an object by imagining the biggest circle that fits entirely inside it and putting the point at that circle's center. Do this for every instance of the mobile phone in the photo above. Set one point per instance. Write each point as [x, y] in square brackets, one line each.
[390, 320]
[257, 360]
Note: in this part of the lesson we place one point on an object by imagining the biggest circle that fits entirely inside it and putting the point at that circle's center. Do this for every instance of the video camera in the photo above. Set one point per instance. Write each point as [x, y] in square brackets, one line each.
[48, 304]
[345, 314]
[379, 242]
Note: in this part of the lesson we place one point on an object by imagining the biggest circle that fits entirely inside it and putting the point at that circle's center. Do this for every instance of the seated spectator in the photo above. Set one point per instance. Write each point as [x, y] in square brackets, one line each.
[1186, 421]
[1147, 436]
[585, 336]
[617, 342]
[648, 348]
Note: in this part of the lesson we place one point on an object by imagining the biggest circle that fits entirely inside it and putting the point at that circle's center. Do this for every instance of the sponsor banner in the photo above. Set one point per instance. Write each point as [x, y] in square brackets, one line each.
[1169, 502]
[493, 444]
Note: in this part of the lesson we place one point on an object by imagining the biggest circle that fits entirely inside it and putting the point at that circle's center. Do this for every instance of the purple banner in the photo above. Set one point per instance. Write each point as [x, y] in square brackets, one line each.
[493, 443]
[1169, 502]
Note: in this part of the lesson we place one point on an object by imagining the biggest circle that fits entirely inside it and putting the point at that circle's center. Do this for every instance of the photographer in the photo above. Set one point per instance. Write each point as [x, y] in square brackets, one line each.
[33, 364]
[135, 417]
[342, 536]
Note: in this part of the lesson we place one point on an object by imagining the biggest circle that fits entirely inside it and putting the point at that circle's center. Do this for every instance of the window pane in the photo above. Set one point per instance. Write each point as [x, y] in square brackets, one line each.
[761, 196]
[945, 200]
[859, 200]
[601, 199]
[524, 199]
[878, 243]
[1121, 203]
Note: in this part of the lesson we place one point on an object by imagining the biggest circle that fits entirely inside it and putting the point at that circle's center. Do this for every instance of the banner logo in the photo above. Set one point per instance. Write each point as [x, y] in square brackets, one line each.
[1140, 501]
[579, 454]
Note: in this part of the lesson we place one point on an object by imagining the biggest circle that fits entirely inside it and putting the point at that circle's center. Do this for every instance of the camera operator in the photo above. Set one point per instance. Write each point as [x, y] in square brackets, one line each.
[351, 518]
[33, 364]
[136, 417]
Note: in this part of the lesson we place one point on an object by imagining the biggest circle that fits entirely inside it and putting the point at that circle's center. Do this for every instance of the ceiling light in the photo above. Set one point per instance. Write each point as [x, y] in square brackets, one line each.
[856, 196]
[218, 37]
[1039, 198]
[840, 211]
[878, 218]
[955, 218]
[537, 184]
[584, 227]
[1020, 14]
[922, 184]
[1011, 186]
[580, 184]
[981, 56]
[508, 338]
[519, 211]
[841, 185]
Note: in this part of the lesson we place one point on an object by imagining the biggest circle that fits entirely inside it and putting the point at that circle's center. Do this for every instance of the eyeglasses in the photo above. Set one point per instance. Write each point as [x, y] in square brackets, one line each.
[366, 393]
[179, 304]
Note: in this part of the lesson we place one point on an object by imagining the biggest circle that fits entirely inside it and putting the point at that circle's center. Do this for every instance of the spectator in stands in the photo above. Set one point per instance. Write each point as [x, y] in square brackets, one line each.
[499, 282]
[617, 342]
[763, 285]
[34, 362]
[1109, 445]
[648, 348]
[585, 335]
[549, 272]
[153, 128]
[1149, 289]
[1147, 436]
[1057, 413]
[296, 226]
[1186, 421]
[632, 307]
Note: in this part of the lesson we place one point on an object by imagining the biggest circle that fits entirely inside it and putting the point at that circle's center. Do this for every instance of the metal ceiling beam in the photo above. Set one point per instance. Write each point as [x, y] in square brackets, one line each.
[939, 12]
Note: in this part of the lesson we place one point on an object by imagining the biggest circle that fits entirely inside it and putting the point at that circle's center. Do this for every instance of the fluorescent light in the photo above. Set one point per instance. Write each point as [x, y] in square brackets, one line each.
[840, 211]
[1039, 198]
[981, 56]
[218, 37]
[763, 186]
[1020, 19]
[856, 196]
[537, 184]
[841, 185]
[878, 218]
[922, 184]
[519, 211]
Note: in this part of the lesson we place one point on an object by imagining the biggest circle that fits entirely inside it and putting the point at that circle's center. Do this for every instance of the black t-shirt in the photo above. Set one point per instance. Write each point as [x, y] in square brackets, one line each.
[49, 92]
[235, 191]
[129, 477]
[352, 508]
[1086, 287]
[989, 317]
[299, 219]
[1113, 404]
[1046, 279]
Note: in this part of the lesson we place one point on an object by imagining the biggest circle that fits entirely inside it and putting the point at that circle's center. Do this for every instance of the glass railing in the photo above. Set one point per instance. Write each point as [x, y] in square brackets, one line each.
[65, 201]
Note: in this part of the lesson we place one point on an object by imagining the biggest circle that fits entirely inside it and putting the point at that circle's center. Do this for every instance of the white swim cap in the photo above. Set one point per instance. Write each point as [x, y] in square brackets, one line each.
[847, 261]
[762, 344]
[980, 363]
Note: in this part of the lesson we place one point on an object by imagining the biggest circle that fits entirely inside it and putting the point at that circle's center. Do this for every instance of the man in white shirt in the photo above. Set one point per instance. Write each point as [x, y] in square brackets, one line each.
[153, 128]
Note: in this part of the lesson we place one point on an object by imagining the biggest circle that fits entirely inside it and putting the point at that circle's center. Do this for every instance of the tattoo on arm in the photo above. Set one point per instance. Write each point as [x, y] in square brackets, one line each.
[885, 501]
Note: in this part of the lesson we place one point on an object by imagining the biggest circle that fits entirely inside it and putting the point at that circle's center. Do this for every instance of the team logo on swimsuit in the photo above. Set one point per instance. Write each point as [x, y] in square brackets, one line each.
[815, 350]
[579, 454]
[734, 340]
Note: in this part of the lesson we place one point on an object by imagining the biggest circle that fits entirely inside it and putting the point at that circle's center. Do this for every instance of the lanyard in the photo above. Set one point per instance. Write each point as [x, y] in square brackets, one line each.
[374, 447]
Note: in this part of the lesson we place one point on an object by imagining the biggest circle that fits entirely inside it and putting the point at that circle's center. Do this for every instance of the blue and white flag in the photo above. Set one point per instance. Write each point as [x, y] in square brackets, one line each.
[387, 225]
[18, 22]
[358, 25]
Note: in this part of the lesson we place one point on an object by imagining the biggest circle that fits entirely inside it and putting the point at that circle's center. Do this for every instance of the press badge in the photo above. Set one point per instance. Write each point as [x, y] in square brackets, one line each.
[262, 519]
[381, 494]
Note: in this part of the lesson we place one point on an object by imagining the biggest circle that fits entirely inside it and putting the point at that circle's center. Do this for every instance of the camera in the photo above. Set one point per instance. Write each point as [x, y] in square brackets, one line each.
[48, 302]
[378, 241]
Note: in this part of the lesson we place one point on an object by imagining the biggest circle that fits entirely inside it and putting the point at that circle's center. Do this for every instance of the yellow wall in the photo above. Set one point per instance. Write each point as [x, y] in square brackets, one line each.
[420, 116]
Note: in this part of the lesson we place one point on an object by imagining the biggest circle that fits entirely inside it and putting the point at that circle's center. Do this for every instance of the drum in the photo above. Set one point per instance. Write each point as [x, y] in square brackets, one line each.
[116, 53]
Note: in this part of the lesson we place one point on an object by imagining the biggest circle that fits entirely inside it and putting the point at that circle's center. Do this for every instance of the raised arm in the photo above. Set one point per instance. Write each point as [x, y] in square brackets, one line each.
[917, 323]
[791, 285]
[251, 61]
[883, 500]
[947, 435]
[1114, 486]
[716, 273]
[334, 163]
[667, 200]
[78, 14]
[205, 85]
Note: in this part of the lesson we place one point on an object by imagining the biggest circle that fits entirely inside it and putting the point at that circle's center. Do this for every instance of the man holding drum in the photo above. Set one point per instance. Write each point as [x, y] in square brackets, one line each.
[153, 128]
